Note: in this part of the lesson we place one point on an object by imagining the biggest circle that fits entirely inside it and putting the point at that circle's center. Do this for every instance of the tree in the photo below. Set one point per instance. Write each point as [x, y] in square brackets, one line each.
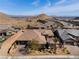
[28, 26]
[34, 45]
[55, 42]
[47, 43]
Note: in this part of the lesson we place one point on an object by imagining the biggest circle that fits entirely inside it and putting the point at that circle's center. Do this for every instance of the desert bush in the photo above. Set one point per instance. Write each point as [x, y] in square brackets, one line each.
[65, 50]
[28, 26]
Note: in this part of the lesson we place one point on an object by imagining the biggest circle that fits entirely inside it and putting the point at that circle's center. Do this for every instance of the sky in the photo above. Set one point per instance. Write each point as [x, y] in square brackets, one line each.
[35, 7]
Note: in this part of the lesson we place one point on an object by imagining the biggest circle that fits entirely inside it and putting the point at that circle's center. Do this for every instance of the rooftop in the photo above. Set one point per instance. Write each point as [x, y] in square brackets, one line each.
[33, 35]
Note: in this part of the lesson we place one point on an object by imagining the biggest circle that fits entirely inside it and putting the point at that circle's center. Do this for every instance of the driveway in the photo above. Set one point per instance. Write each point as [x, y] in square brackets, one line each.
[74, 50]
[8, 43]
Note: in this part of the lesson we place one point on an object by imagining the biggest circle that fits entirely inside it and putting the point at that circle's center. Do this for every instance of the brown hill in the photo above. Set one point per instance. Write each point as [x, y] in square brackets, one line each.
[5, 19]
[43, 17]
[21, 21]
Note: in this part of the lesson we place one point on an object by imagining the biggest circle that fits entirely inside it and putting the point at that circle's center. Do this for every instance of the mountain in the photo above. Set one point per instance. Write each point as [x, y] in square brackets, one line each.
[5, 19]
[32, 18]
[23, 21]
[43, 16]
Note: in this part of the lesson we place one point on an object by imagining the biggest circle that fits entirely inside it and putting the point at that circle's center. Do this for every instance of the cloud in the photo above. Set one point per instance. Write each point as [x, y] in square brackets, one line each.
[48, 3]
[66, 2]
[61, 8]
[35, 3]
[70, 9]
[60, 2]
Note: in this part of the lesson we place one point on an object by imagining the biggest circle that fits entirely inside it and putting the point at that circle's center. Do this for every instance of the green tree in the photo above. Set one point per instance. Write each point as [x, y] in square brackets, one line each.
[34, 45]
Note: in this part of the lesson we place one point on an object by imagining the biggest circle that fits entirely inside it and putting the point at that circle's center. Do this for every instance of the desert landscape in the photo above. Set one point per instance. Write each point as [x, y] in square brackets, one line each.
[38, 35]
[39, 29]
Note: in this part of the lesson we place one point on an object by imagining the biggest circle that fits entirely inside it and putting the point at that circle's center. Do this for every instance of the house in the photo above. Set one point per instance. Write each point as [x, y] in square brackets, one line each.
[30, 35]
[6, 26]
[38, 25]
[66, 23]
[5, 32]
[5, 29]
[67, 36]
[49, 36]
[48, 32]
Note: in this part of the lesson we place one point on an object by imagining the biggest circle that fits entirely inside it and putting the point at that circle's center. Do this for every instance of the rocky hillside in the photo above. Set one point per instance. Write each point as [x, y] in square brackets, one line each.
[23, 21]
[33, 18]
[5, 19]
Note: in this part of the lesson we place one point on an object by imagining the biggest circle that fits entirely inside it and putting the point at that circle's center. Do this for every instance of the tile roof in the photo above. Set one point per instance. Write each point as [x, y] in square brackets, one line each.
[33, 35]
